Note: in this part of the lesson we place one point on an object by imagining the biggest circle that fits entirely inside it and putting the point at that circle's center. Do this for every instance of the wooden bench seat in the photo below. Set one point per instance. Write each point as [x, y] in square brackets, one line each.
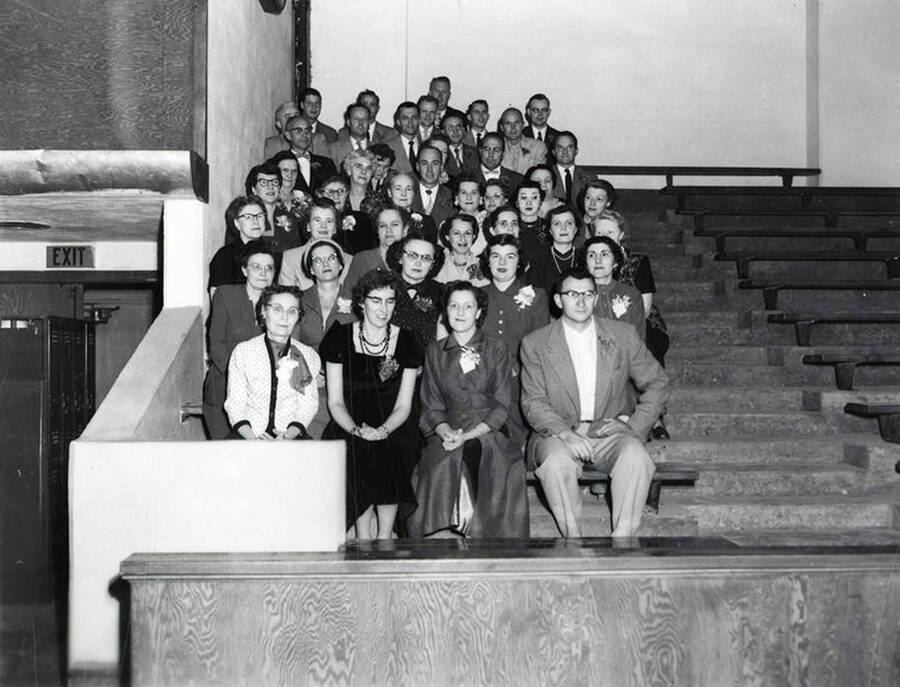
[830, 216]
[803, 321]
[666, 473]
[845, 364]
[770, 288]
[742, 259]
[888, 418]
[804, 194]
[860, 237]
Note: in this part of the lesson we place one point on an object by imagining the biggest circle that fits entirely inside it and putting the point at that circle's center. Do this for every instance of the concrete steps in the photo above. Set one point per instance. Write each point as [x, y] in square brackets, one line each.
[780, 480]
[710, 424]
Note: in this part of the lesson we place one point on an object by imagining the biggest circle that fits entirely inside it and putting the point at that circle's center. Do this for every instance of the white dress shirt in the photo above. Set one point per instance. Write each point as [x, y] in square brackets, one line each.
[583, 351]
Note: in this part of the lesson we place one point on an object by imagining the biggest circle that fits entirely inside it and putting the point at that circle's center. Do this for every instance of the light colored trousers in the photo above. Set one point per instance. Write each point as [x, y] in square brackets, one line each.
[630, 469]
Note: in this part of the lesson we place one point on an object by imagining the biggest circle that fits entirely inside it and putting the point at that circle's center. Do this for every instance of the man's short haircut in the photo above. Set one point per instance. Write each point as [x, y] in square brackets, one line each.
[542, 166]
[596, 183]
[481, 300]
[309, 90]
[495, 135]
[436, 79]
[575, 272]
[502, 240]
[383, 151]
[503, 114]
[426, 99]
[450, 114]
[369, 282]
[367, 91]
[267, 167]
[435, 136]
[405, 105]
[349, 110]
[528, 183]
[614, 248]
[566, 133]
[477, 101]
[537, 96]
[447, 224]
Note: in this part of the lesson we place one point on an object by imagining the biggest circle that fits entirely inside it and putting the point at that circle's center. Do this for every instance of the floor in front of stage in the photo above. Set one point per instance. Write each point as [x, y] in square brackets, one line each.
[30, 651]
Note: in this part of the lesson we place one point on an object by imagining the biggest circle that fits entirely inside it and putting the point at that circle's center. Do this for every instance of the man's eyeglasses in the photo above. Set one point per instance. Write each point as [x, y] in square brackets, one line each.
[418, 256]
[255, 216]
[579, 295]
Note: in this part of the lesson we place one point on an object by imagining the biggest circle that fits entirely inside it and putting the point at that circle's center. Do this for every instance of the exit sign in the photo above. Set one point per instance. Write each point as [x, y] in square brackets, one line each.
[69, 257]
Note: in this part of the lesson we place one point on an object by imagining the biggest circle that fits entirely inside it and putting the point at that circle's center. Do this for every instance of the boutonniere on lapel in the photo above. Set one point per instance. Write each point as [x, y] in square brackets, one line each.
[524, 297]
[349, 223]
[293, 369]
[606, 342]
[416, 217]
[620, 305]
[469, 359]
[343, 305]
[424, 304]
[388, 368]
[283, 222]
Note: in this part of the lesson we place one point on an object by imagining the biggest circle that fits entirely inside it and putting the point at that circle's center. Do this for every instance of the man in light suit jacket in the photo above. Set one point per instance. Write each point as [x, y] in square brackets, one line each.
[431, 197]
[521, 153]
[576, 374]
[378, 132]
[537, 111]
[570, 178]
[311, 105]
[353, 136]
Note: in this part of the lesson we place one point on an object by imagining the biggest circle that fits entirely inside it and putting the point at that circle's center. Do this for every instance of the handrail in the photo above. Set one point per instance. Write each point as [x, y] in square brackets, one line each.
[787, 174]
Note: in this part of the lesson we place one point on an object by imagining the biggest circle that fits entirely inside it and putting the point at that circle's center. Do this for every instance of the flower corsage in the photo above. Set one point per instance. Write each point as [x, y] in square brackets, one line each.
[388, 368]
[620, 305]
[343, 305]
[349, 223]
[524, 297]
[424, 304]
[469, 359]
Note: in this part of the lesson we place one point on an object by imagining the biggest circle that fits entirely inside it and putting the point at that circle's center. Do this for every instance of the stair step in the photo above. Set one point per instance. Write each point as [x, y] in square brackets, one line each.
[783, 479]
[719, 374]
[737, 514]
[730, 354]
[719, 318]
[772, 449]
[708, 424]
[701, 333]
[686, 399]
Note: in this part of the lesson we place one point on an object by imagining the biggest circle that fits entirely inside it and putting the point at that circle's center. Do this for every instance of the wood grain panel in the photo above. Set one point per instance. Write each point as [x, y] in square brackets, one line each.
[652, 629]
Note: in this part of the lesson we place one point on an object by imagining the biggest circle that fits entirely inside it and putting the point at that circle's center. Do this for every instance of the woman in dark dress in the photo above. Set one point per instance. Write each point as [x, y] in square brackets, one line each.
[371, 368]
[615, 300]
[471, 478]
[418, 309]
[559, 255]
[232, 319]
[247, 217]
[514, 309]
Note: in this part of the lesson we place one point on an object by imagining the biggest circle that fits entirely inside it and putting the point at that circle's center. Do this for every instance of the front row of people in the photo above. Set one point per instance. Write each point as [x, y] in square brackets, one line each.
[578, 381]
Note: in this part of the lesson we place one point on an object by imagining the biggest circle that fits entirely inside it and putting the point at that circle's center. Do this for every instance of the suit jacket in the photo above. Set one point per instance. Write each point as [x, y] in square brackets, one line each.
[380, 134]
[525, 154]
[401, 154]
[329, 133]
[580, 179]
[550, 400]
[275, 144]
[470, 161]
[469, 138]
[443, 205]
[320, 168]
[510, 179]
[549, 137]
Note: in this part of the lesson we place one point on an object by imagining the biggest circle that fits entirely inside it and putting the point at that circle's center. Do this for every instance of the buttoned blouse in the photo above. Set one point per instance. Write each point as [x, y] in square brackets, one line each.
[509, 320]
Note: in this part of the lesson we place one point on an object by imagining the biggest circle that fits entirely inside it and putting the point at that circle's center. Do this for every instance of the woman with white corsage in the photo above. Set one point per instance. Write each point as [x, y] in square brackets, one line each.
[272, 390]
[615, 300]
[471, 479]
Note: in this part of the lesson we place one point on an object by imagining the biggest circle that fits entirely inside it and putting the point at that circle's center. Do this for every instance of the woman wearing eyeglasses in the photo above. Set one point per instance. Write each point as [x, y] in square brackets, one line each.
[418, 309]
[371, 368]
[471, 478]
[272, 390]
[232, 319]
[282, 229]
[324, 219]
[247, 217]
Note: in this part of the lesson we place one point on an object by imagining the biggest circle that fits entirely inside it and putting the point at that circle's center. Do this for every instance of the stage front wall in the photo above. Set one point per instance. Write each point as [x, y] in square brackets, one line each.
[771, 620]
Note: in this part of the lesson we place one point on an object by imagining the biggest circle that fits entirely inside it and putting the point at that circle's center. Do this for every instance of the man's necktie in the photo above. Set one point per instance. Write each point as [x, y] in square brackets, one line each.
[540, 136]
[458, 156]
[412, 154]
[430, 204]
[478, 140]
[568, 182]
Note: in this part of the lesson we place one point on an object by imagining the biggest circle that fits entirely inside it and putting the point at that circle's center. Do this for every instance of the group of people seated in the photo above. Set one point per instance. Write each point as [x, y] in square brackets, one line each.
[457, 304]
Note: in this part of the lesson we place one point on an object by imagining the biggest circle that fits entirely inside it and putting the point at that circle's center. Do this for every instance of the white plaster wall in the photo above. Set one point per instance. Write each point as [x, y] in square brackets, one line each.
[646, 82]
[859, 92]
[250, 71]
